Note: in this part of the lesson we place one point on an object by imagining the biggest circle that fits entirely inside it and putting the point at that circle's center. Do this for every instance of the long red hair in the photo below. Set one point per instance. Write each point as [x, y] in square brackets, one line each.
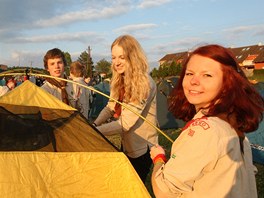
[238, 102]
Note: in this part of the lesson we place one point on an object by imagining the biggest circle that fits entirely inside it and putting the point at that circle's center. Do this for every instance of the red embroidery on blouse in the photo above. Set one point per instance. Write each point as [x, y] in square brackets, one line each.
[198, 122]
[191, 132]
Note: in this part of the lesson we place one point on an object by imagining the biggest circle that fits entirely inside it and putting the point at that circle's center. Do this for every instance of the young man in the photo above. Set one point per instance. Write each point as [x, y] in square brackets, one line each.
[54, 63]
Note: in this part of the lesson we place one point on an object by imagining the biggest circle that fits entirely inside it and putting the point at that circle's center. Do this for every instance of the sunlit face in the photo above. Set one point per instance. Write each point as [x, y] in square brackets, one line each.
[11, 85]
[202, 81]
[118, 59]
[56, 67]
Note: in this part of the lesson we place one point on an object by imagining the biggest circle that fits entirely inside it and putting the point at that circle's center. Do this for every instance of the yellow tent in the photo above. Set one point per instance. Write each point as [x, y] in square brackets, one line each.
[34, 124]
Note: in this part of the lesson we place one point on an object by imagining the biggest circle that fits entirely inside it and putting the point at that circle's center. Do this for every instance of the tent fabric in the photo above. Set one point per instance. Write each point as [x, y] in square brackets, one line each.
[99, 101]
[30, 99]
[65, 127]
[25, 95]
[256, 138]
[67, 175]
[35, 124]
[165, 118]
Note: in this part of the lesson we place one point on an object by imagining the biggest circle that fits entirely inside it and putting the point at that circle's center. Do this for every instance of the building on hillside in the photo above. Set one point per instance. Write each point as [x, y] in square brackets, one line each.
[176, 57]
[250, 55]
[3, 67]
[247, 56]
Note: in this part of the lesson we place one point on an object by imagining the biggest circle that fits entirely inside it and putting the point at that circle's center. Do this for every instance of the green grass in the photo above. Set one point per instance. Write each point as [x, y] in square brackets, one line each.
[167, 145]
[260, 180]
[258, 75]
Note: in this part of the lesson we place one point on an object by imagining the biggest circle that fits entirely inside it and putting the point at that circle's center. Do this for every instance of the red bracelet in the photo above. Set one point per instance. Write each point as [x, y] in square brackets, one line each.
[159, 156]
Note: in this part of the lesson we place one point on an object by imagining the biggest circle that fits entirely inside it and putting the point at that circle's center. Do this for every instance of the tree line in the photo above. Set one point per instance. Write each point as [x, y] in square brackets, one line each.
[104, 66]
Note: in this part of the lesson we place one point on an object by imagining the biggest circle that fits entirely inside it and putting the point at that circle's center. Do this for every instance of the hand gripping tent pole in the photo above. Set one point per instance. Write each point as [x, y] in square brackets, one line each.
[94, 90]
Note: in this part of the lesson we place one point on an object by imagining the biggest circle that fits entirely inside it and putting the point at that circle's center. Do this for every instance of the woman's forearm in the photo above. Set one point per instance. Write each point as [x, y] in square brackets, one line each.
[105, 114]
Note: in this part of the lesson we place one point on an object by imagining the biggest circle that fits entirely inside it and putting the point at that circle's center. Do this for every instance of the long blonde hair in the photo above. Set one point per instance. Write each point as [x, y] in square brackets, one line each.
[135, 80]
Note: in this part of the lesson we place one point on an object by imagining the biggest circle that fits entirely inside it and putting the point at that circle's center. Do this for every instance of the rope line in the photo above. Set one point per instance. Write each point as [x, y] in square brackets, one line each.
[97, 91]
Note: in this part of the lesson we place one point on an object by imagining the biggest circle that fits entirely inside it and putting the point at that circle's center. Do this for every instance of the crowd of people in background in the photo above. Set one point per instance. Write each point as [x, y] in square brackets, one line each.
[212, 154]
[77, 74]
[18, 80]
[7, 85]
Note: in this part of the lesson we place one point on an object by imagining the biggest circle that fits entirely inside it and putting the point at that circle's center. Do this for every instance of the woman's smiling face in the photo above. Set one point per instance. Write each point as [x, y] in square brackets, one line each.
[202, 81]
[118, 59]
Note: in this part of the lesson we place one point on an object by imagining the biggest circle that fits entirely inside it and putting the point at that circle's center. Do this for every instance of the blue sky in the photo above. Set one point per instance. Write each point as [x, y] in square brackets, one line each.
[29, 28]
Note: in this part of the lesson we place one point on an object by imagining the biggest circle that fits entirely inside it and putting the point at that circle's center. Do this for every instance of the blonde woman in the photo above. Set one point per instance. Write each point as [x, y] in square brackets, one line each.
[132, 85]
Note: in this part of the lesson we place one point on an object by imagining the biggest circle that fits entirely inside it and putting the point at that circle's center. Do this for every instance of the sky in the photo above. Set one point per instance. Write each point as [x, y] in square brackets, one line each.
[28, 29]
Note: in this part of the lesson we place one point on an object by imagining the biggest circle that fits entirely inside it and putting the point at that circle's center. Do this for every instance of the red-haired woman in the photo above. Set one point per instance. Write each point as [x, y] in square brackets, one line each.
[211, 157]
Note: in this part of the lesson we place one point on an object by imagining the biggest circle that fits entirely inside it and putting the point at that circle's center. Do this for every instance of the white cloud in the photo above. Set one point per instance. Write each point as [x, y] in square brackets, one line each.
[26, 58]
[240, 31]
[83, 15]
[181, 45]
[152, 3]
[71, 37]
[135, 27]
[259, 32]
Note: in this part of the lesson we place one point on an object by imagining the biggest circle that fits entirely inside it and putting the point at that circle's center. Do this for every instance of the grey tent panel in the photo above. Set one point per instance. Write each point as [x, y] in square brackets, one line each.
[165, 118]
